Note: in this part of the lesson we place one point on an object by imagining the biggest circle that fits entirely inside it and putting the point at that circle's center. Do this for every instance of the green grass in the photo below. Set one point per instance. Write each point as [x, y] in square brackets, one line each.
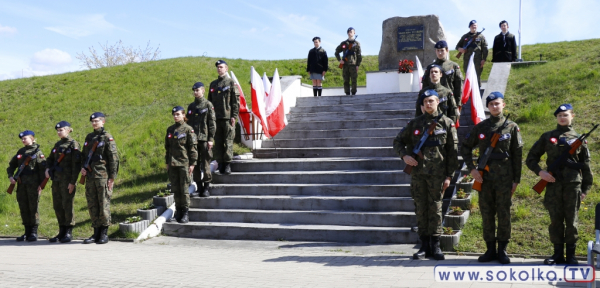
[533, 93]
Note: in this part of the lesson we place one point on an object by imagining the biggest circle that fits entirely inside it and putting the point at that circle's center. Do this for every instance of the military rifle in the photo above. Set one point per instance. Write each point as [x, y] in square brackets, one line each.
[19, 171]
[469, 43]
[345, 56]
[51, 171]
[482, 163]
[88, 160]
[562, 159]
[417, 150]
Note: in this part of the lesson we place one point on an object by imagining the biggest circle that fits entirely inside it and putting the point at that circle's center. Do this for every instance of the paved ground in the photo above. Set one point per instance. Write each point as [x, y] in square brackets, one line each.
[174, 262]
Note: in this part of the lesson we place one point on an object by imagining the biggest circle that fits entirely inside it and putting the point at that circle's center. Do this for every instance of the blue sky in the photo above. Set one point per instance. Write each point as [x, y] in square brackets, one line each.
[43, 37]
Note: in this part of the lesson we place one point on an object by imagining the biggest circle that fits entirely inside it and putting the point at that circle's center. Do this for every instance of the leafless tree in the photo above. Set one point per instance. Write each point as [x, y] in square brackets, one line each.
[117, 54]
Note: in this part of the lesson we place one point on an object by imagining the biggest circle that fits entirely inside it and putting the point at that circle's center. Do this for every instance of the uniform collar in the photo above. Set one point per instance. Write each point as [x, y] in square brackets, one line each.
[99, 131]
[199, 100]
[439, 61]
[496, 119]
[32, 147]
[66, 139]
[179, 123]
[436, 85]
[223, 77]
[564, 128]
[433, 115]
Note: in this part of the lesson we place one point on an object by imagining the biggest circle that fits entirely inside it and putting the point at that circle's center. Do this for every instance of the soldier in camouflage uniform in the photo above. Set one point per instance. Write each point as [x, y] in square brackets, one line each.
[64, 179]
[452, 77]
[502, 179]
[201, 117]
[100, 176]
[479, 46]
[28, 187]
[352, 59]
[224, 96]
[431, 174]
[447, 104]
[181, 157]
[567, 186]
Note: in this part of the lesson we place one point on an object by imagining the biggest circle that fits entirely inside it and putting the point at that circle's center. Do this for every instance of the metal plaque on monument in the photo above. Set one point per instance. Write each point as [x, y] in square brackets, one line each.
[410, 38]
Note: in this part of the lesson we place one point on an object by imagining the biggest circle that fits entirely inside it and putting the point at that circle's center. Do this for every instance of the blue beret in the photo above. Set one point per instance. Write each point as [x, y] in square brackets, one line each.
[316, 38]
[493, 96]
[502, 22]
[176, 108]
[350, 29]
[435, 66]
[26, 133]
[197, 85]
[427, 93]
[472, 22]
[219, 62]
[441, 44]
[96, 115]
[62, 124]
[563, 108]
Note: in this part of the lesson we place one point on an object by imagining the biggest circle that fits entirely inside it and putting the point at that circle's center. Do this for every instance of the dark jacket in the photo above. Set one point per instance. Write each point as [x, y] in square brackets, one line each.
[317, 61]
[502, 52]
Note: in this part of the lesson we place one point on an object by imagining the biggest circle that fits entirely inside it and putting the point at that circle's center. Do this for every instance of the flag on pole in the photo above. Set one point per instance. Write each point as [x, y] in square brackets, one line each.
[417, 76]
[267, 84]
[244, 115]
[258, 100]
[275, 110]
[471, 90]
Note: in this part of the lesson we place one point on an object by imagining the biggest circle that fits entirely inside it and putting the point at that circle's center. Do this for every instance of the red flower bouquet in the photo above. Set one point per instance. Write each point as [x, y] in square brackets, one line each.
[405, 66]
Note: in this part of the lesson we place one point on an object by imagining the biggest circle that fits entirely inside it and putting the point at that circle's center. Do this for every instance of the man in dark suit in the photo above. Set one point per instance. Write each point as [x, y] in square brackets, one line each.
[505, 45]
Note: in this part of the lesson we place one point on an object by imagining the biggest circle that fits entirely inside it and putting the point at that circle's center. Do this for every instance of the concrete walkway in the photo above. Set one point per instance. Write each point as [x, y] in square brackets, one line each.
[175, 262]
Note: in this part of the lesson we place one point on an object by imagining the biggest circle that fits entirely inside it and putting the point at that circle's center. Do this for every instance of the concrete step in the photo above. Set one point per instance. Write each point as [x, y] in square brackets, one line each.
[356, 99]
[355, 107]
[325, 152]
[346, 124]
[310, 217]
[338, 133]
[379, 204]
[292, 232]
[349, 190]
[318, 164]
[330, 142]
[315, 177]
[354, 115]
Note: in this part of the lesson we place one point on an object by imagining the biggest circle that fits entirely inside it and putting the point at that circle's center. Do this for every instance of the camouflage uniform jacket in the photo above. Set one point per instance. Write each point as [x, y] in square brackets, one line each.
[440, 152]
[479, 46]
[104, 163]
[354, 55]
[34, 172]
[553, 144]
[224, 96]
[452, 77]
[447, 103]
[201, 117]
[69, 167]
[180, 143]
[505, 161]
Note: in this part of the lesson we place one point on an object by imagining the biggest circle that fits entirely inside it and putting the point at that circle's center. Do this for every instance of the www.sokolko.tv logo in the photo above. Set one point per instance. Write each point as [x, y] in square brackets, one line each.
[514, 273]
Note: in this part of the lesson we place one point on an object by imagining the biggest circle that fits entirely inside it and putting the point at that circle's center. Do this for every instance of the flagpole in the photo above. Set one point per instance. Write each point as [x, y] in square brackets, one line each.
[520, 14]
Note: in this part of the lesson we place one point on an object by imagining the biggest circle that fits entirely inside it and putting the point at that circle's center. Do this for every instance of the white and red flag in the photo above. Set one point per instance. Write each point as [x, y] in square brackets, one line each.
[417, 76]
[471, 90]
[274, 108]
[244, 115]
[258, 100]
[267, 84]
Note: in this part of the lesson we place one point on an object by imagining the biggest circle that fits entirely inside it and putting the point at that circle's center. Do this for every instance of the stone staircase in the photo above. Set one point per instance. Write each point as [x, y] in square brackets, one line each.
[331, 175]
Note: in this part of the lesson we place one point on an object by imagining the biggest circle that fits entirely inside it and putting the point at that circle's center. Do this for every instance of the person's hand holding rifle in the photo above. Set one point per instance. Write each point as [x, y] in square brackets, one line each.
[464, 48]
[482, 163]
[87, 162]
[50, 170]
[345, 56]
[17, 176]
[410, 160]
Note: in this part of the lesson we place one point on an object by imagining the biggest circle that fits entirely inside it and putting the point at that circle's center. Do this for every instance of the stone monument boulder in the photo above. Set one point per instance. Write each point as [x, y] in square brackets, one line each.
[407, 37]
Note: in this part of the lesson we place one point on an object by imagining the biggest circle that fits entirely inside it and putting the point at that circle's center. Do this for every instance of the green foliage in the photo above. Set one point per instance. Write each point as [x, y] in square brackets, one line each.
[148, 206]
[455, 210]
[133, 219]
[460, 194]
[447, 231]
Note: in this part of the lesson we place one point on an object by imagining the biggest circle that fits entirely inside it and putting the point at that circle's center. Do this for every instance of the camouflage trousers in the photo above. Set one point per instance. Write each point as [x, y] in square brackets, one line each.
[477, 62]
[223, 148]
[495, 199]
[28, 199]
[98, 201]
[562, 201]
[203, 165]
[180, 182]
[426, 191]
[349, 73]
[62, 202]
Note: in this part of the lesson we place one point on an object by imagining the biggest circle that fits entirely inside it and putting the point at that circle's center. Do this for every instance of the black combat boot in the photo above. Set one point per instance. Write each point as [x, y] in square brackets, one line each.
[435, 248]
[178, 214]
[175, 216]
[184, 216]
[227, 168]
[425, 250]
[61, 234]
[32, 236]
[571, 260]
[94, 238]
[103, 239]
[221, 168]
[24, 236]
[315, 91]
[205, 192]
[490, 254]
[68, 235]
[558, 257]
[502, 256]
